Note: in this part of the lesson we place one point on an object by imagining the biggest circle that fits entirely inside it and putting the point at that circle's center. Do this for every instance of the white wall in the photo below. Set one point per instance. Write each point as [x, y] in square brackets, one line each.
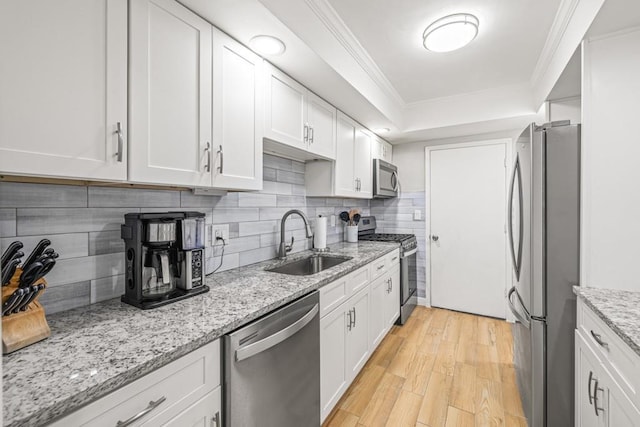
[610, 247]
[566, 109]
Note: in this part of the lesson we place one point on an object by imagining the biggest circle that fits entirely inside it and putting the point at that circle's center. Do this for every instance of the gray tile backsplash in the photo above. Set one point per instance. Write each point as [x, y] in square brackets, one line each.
[83, 224]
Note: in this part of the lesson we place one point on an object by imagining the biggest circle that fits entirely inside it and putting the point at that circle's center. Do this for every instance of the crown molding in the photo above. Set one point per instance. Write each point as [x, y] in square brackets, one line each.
[558, 29]
[332, 21]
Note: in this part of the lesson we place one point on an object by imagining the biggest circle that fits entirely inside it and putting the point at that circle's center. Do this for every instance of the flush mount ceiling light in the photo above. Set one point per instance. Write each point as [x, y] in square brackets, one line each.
[267, 45]
[450, 32]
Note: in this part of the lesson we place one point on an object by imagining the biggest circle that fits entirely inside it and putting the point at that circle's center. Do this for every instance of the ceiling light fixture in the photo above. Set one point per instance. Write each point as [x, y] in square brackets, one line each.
[450, 32]
[267, 45]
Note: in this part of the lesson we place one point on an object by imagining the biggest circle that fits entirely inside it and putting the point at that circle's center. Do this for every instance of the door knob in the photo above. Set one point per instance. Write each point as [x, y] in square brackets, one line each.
[434, 237]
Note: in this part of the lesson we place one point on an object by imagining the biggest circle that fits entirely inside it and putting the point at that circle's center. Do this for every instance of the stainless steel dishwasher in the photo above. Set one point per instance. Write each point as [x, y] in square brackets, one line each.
[272, 369]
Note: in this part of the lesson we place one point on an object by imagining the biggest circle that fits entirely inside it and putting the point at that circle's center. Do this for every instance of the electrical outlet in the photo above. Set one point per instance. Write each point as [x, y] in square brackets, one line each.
[417, 215]
[220, 230]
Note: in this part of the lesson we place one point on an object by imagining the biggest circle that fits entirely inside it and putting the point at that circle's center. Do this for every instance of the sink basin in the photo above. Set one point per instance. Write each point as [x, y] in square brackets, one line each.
[310, 265]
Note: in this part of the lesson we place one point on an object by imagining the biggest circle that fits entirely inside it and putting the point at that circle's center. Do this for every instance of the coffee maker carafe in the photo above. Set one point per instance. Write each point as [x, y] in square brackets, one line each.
[154, 259]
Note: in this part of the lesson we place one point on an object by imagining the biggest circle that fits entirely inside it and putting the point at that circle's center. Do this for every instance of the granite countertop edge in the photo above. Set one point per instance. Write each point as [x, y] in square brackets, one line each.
[617, 309]
[49, 413]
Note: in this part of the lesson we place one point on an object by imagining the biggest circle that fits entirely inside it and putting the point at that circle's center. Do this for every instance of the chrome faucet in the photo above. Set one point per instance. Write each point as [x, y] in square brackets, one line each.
[284, 248]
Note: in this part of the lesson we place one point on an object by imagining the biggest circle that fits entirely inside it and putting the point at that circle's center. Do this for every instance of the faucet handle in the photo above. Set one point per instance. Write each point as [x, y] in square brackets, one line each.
[288, 248]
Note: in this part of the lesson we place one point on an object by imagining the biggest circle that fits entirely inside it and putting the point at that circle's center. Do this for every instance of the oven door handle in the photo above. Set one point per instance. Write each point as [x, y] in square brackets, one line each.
[408, 254]
[275, 339]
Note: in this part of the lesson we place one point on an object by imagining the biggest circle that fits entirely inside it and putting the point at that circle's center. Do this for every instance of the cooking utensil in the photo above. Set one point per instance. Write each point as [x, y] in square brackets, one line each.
[37, 251]
[12, 301]
[30, 274]
[10, 251]
[9, 270]
[344, 216]
[35, 291]
[356, 218]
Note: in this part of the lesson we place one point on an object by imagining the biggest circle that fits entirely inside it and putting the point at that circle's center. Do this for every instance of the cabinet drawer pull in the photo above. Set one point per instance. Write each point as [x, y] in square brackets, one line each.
[152, 405]
[120, 142]
[207, 151]
[215, 421]
[221, 168]
[595, 399]
[350, 323]
[306, 132]
[311, 134]
[354, 317]
[380, 267]
[394, 258]
[589, 388]
[598, 339]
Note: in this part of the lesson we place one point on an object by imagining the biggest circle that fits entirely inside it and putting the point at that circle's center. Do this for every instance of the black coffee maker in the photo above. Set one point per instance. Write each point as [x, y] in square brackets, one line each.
[158, 269]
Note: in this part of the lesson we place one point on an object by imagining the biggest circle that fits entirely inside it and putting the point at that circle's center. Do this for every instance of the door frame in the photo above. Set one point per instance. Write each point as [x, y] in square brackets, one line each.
[508, 144]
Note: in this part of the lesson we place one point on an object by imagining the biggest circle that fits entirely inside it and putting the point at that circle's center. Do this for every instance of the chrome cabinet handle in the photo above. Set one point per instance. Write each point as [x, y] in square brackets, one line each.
[215, 421]
[390, 285]
[394, 258]
[598, 339]
[354, 317]
[207, 150]
[589, 388]
[380, 267]
[152, 405]
[350, 323]
[311, 134]
[595, 399]
[221, 168]
[120, 142]
[306, 132]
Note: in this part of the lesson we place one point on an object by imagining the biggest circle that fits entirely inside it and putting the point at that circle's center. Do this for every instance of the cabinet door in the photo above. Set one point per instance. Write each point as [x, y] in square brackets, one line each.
[358, 334]
[284, 109]
[321, 117]
[206, 412]
[64, 88]
[587, 374]
[620, 411]
[392, 300]
[377, 315]
[170, 94]
[363, 162]
[333, 369]
[344, 176]
[237, 115]
[387, 151]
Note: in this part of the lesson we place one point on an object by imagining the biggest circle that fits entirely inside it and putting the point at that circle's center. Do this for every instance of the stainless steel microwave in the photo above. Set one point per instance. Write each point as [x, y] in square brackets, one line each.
[385, 179]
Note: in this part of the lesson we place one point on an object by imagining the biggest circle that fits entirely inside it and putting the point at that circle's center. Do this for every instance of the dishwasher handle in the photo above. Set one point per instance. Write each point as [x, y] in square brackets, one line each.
[275, 339]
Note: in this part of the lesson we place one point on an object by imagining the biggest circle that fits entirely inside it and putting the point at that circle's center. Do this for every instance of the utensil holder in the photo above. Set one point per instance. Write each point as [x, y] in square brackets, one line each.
[25, 327]
[352, 233]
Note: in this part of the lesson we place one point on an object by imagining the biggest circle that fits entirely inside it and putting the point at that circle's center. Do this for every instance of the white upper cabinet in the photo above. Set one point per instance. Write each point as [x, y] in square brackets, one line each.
[170, 94]
[237, 115]
[297, 118]
[345, 181]
[63, 80]
[362, 163]
[382, 149]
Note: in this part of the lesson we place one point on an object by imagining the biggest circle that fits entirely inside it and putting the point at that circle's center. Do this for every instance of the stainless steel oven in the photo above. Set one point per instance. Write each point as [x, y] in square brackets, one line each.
[385, 179]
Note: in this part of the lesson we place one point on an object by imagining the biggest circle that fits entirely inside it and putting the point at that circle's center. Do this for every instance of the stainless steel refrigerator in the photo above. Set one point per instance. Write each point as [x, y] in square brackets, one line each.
[544, 225]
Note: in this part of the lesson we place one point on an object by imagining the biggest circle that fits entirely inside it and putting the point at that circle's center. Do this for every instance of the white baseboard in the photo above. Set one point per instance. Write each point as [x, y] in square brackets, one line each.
[423, 302]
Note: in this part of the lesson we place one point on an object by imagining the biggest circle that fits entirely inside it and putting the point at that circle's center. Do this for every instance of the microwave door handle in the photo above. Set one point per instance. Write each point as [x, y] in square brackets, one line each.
[276, 338]
[394, 180]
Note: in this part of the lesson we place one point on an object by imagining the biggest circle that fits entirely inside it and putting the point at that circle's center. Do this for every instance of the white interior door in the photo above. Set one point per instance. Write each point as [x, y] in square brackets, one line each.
[467, 242]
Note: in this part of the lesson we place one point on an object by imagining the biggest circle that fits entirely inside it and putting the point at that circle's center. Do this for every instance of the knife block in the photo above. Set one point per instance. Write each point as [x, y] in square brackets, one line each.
[25, 327]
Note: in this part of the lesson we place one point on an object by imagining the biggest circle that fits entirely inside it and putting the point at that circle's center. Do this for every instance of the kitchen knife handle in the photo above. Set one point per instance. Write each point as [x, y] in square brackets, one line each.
[221, 168]
[207, 150]
[152, 405]
[120, 142]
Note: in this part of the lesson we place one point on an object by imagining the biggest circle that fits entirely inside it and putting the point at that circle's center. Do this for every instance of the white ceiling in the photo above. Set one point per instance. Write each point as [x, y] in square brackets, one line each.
[366, 57]
[510, 39]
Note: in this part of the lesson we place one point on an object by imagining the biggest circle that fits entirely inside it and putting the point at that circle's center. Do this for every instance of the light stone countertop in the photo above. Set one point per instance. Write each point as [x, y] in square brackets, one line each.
[97, 349]
[619, 309]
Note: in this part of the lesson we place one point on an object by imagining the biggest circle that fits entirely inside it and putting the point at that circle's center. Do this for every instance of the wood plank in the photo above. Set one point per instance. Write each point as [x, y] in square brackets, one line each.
[463, 388]
[511, 399]
[341, 418]
[458, 418]
[487, 362]
[433, 411]
[356, 399]
[505, 343]
[446, 358]
[401, 362]
[386, 351]
[405, 411]
[382, 401]
[489, 411]
[487, 333]
[511, 421]
[419, 373]
[452, 328]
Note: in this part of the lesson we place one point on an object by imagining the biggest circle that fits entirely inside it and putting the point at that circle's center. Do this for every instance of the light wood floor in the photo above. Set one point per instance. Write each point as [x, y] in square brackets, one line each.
[441, 369]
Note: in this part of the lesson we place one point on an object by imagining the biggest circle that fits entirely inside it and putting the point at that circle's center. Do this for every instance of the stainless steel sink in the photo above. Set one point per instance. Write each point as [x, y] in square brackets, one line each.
[310, 265]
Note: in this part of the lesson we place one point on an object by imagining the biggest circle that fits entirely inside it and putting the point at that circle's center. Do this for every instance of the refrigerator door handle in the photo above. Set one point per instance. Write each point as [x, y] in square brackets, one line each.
[516, 258]
[522, 319]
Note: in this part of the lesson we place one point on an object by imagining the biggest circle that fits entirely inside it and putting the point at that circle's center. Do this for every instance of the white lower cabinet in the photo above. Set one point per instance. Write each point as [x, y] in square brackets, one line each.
[355, 315]
[186, 392]
[606, 382]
